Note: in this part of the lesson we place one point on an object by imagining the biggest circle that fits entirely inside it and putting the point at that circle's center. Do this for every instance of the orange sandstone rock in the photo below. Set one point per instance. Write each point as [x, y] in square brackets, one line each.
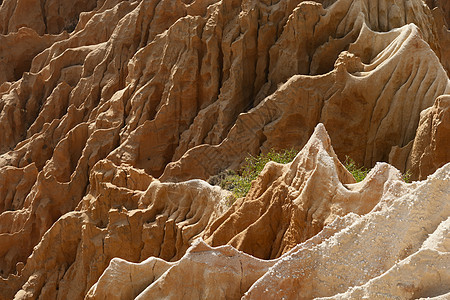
[430, 148]
[126, 213]
[398, 249]
[183, 90]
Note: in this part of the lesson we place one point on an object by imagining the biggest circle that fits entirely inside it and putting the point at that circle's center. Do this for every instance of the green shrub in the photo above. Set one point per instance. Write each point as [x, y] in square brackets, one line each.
[240, 182]
[254, 165]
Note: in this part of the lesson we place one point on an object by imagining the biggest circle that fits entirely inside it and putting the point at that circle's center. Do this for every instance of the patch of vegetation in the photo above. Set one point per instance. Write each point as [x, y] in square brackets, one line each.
[239, 182]
[407, 176]
[359, 173]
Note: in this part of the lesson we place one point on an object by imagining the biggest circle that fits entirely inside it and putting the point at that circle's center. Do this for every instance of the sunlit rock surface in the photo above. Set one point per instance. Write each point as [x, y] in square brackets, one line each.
[111, 113]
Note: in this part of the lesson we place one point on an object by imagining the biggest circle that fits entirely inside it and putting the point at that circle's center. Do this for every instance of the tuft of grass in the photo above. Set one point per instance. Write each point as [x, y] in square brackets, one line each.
[253, 165]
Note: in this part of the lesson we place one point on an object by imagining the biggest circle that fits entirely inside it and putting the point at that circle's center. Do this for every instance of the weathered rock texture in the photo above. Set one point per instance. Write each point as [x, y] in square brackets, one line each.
[291, 203]
[103, 103]
[430, 148]
[364, 125]
[127, 214]
[292, 213]
[44, 17]
[399, 250]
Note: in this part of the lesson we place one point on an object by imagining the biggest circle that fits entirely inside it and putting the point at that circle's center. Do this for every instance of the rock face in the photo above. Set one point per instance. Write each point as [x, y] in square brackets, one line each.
[429, 149]
[362, 125]
[49, 17]
[300, 214]
[291, 203]
[397, 250]
[406, 231]
[126, 213]
[111, 113]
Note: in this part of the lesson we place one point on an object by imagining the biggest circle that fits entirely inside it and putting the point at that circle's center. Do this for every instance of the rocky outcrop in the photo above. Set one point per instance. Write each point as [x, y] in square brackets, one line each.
[291, 203]
[292, 214]
[127, 214]
[168, 91]
[154, 278]
[363, 125]
[441, 5]
[26, 44]
[429, 149]
[50, 17]
[441, 14]
[394, 235]
[397, 250]
[422, 274]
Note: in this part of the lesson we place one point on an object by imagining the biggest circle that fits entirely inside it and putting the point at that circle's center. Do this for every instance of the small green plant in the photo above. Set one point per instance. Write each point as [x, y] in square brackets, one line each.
[359, 173]
[255, 164]
[407, 176]
[240, 182]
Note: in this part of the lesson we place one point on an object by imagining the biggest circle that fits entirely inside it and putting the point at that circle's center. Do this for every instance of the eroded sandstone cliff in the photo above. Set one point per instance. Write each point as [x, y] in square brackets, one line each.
[394, 246]
[111, 113]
